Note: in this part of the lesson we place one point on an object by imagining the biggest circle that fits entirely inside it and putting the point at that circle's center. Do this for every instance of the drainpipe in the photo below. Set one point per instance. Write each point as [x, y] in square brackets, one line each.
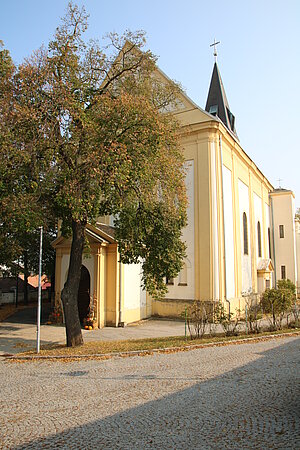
[273, 238]
[223, 217]
[120, 324]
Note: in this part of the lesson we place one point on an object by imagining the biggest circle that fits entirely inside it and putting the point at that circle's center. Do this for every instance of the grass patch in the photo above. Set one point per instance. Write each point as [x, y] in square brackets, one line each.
[106, 347]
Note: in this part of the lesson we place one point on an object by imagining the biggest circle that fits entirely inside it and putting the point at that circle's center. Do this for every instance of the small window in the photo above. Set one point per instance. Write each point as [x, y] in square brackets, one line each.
[269, 242]
[267, 284]
[281, 231]
[231, 118]
[213, 110]
[170, 281]
[245, 229]
[259, 239]
[283, 273]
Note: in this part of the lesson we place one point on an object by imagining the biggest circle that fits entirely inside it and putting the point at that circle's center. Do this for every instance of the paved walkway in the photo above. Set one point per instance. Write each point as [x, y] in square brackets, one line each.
[18, 332]
[231, 397]
[16, 336]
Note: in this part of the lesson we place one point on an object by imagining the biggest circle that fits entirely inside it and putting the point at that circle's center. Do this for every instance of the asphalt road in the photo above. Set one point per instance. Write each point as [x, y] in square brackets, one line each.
[29, 315]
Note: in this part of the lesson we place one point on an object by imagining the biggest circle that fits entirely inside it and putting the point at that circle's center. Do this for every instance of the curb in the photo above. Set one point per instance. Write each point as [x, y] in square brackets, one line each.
[150, 351]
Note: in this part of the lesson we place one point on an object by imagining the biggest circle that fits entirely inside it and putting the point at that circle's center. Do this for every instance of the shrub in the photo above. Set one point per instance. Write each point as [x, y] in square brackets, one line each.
[253, 313]
[198, 316]
[277, 302]
[225, 320]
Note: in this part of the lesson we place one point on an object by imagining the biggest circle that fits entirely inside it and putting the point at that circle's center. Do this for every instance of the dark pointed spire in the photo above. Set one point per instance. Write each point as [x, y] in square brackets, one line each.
[217, 103]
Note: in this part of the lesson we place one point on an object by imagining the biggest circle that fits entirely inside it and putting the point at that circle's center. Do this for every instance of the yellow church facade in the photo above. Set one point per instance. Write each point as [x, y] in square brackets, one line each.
[229, 236]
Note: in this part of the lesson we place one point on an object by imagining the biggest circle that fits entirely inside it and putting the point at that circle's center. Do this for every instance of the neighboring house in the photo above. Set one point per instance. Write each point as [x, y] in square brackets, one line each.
[284, 235]
[8, 290]
[233, 238]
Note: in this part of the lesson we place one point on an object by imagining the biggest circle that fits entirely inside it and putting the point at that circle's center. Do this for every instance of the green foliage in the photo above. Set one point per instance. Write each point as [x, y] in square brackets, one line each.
[287, 286]
[277, 302]
[22, 205]
[225, 319]
[84, 136]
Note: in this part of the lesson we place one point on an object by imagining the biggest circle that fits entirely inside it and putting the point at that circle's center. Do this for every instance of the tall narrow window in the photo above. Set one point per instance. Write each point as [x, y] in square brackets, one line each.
[281, 231]
[259, 239]
[183, 276]
[269, 242]
[283, 273]
[245, 229]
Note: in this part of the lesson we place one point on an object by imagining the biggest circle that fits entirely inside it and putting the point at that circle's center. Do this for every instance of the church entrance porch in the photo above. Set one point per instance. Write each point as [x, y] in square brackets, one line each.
[100, 291]
[110, 292]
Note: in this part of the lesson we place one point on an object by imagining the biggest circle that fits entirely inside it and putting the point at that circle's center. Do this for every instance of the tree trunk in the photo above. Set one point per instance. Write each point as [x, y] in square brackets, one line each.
[69, 293]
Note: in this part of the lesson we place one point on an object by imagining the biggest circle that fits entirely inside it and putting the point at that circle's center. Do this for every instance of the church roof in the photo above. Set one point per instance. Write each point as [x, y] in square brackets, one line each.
[265, 265]
[217, 103]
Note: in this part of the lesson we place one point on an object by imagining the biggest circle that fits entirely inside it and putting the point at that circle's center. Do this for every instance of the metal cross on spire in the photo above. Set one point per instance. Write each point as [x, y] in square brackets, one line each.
[279, 183]
[214, 45]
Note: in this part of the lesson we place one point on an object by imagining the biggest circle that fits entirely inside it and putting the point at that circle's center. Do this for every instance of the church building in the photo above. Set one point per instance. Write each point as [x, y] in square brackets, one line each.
[240, 234]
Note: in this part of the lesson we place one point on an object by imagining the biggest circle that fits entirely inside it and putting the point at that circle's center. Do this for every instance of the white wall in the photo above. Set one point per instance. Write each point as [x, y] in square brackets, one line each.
[285, 248]
[214, 210]
[268, 225]
[134, 295]
[188, 236]
[7, 297]
[228, 233]
[87, 261]
[246, 259]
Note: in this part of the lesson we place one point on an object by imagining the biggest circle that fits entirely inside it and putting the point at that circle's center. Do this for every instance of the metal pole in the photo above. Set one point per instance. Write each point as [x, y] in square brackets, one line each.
[17, 289]
[185, 320]
[38, 337]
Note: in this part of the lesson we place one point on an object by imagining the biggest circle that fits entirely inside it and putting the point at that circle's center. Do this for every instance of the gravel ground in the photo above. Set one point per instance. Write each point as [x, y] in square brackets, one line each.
[231, 397]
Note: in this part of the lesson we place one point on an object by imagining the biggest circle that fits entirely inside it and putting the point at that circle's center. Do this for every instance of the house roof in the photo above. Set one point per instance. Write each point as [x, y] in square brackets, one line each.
[34, 280]
[217, 103]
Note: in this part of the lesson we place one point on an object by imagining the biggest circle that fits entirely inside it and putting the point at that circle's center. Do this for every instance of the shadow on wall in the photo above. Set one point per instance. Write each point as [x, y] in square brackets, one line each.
[253, 406]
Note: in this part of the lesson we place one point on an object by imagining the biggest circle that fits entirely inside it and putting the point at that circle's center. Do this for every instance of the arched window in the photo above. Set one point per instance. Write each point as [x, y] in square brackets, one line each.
[259, 239]
[245, 229]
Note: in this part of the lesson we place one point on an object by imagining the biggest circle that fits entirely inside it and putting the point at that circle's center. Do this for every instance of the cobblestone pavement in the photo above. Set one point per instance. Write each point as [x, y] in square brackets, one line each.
[231, 397]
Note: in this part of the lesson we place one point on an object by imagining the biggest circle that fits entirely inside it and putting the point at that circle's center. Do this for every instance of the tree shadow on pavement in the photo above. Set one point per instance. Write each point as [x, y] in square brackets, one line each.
[253, 406]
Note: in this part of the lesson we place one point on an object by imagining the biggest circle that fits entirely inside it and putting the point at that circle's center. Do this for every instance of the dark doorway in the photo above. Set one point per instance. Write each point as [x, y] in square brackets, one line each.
[84, 294]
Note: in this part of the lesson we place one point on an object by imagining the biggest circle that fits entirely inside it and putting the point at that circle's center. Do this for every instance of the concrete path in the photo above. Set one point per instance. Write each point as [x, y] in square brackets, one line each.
[16, 336]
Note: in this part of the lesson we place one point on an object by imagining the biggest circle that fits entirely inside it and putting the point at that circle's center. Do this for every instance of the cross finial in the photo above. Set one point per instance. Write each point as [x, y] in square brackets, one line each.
[214, 45]
[279, 183]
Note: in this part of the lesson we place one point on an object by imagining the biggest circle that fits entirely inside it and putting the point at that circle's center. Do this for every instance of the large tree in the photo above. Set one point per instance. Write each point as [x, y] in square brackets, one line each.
[99, 141]
[22, 209]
